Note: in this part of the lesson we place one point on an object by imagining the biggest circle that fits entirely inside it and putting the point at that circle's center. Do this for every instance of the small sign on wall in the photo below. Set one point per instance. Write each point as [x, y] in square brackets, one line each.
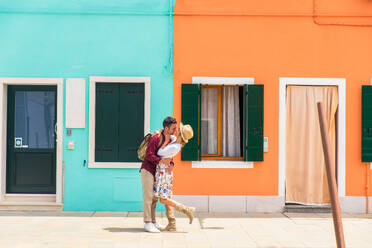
[18, 142]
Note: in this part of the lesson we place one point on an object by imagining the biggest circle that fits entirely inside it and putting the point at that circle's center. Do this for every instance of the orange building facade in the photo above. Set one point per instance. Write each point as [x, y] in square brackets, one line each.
[314, 43]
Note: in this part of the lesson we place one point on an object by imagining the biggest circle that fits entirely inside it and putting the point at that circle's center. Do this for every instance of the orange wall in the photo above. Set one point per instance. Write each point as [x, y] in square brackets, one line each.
[266, 46]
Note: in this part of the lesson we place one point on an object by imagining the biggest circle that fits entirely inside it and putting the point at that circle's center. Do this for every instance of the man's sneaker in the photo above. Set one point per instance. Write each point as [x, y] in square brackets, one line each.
[150, 227]
[159, 226]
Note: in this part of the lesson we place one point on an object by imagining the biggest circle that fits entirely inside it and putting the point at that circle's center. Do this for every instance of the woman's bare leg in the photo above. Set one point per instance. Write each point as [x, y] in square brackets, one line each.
[168, 202]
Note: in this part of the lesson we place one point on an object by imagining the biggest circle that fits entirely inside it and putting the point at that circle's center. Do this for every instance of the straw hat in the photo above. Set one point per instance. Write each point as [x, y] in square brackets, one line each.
[186, 132]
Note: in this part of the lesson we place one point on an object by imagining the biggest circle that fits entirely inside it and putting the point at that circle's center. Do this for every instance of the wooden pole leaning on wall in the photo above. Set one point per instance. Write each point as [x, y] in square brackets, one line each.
[336, 213]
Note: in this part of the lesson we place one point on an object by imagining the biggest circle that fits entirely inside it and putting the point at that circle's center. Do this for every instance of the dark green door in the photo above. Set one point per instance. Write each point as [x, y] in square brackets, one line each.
[31, 142]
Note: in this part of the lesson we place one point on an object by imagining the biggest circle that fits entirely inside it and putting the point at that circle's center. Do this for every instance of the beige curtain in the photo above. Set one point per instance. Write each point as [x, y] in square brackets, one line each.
[209, 120]
[306, 179]
[230, 121]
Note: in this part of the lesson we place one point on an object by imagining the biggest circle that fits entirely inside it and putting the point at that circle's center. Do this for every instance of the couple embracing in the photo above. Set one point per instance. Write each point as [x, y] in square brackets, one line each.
[157, 176]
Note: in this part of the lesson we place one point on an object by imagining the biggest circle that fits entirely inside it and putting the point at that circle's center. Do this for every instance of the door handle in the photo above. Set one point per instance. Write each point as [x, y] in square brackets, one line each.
[55, 132]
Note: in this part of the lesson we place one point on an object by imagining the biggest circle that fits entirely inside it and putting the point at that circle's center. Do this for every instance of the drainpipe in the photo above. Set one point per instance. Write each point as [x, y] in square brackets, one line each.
[367, 186]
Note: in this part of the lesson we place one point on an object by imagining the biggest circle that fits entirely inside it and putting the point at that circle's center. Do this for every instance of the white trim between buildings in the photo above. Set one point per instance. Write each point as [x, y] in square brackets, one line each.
[92, 117]
[4, 82]
[341, 84]
[222, 81]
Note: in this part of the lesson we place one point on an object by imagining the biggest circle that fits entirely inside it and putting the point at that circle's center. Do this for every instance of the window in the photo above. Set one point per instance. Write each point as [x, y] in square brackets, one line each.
[221, 122]
[119, 119]
[366, 123]
[227, 121]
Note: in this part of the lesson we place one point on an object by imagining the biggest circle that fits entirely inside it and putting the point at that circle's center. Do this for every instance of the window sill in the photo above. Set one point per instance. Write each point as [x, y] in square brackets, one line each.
[222, 164]
[115, 165]
[204, 157]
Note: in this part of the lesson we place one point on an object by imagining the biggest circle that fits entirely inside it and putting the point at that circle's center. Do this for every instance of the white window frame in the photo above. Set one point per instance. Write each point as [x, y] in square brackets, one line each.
[227, 164]
[92, 117]
[341, 132]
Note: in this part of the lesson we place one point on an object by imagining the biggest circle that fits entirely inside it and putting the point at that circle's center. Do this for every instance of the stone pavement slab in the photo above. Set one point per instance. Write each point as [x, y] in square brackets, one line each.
[39, 229]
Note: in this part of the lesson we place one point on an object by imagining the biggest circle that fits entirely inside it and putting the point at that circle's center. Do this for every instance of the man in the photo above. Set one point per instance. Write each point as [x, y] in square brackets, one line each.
[148, 169]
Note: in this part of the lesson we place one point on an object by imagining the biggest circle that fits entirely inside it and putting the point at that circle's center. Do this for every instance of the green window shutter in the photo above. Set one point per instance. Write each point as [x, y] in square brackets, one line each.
[107, 121]
[366, 123]
[253, 122]
[131, 120]
[190, 109]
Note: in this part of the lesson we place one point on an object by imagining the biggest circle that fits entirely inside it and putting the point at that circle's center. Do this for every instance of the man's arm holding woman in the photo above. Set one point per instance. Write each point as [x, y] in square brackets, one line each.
[151, 152]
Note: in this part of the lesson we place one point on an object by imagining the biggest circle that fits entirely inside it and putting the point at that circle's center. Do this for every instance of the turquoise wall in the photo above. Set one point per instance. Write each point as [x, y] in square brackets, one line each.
[68, 39]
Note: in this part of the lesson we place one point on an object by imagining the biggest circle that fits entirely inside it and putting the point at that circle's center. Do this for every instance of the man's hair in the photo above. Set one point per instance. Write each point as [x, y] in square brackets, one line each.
[169, 121]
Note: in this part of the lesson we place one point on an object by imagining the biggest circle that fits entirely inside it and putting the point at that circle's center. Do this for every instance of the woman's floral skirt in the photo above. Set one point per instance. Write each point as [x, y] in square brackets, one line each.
[163, 182]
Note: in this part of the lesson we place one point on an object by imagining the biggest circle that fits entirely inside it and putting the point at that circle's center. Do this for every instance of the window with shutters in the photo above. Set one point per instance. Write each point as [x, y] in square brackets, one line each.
[366, 123]
[221, 122]
[119, 119]
[227, 116]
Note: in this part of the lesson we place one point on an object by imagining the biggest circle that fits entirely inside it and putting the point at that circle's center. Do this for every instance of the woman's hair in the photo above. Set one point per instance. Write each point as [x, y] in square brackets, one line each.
[182, 142]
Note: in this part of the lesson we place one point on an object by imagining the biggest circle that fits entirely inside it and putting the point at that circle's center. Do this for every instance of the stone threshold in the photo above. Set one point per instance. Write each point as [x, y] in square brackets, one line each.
[306, 209]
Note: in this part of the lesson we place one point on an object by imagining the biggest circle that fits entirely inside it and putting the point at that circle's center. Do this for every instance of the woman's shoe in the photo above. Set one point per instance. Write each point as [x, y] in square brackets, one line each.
[171, 227]
[189, 211]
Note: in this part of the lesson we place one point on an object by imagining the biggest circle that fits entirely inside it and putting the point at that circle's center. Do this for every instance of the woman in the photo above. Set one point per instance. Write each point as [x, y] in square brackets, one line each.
[164, 176]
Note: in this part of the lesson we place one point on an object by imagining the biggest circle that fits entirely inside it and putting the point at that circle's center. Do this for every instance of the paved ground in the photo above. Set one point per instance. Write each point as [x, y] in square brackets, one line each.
[122, 229]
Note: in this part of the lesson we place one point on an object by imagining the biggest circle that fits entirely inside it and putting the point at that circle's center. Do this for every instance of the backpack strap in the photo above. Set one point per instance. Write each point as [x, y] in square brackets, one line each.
[160, 140]
[160, 137]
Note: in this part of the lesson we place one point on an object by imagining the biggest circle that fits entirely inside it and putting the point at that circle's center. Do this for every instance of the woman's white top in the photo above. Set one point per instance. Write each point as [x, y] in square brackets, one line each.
[170, 150]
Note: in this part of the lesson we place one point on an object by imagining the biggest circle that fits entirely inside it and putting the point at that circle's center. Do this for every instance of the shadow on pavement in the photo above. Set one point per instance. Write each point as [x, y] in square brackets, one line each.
[201, 223]
[132, 230]
[124, 229]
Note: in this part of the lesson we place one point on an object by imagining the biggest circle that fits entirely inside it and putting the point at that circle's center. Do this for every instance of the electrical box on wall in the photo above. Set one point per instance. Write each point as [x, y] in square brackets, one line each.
[266, 144]
[75, 103]
[71, 145]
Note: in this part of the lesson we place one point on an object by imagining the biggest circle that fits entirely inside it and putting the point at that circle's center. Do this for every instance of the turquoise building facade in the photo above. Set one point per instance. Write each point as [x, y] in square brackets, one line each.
[85, 39]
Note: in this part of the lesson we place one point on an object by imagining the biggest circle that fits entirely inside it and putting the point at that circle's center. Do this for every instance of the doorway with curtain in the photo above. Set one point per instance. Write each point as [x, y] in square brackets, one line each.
[305, 173]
